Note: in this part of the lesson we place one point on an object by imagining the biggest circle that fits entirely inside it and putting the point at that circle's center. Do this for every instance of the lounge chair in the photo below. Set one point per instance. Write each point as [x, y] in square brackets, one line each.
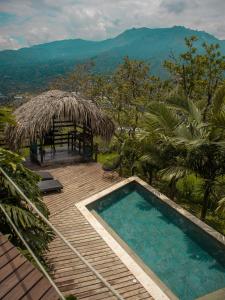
[45, 175]
[48, 186]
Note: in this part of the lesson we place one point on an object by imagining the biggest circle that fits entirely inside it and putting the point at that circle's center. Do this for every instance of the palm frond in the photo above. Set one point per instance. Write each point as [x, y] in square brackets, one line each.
[161, 118]
[178, 103]
[219, 100]
[218, 119]
[194, 113]
[221, 206]
[150, 159]
[21, 216]
[175, 172]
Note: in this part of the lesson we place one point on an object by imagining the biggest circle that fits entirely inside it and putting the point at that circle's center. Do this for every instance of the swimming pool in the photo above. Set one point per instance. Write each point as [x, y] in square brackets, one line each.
[182, 255]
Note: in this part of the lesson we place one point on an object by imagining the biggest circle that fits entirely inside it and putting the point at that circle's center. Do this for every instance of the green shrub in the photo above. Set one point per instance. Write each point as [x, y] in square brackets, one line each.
[104, 157]
[111, 164]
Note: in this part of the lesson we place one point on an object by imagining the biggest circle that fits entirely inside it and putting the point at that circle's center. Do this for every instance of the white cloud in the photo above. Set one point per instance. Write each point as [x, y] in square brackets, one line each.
[8, 43]
[39, 21]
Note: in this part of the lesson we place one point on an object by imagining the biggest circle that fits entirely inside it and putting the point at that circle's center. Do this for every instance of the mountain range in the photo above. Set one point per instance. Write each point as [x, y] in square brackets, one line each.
[32, 68]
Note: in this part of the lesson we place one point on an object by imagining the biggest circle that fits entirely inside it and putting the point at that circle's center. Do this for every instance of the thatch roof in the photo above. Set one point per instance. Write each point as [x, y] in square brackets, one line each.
[35, 116]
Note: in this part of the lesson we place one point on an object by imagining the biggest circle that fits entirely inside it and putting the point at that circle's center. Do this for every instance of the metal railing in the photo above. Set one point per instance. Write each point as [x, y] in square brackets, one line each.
[58, 233]
[32, 253]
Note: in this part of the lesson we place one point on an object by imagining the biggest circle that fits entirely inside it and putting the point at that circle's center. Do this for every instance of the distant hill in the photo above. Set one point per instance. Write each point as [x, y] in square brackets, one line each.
[28, 69]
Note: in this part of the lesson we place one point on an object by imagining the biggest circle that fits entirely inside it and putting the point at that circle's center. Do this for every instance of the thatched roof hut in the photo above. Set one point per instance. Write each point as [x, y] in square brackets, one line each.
[34, 118]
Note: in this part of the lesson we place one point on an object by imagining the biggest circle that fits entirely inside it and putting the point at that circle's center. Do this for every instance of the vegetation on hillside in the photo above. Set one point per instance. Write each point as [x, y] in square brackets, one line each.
[171, 132]
[33, 68]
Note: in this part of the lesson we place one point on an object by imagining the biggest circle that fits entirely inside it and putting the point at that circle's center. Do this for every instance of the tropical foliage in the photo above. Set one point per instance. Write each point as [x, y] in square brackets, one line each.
[172, 132]
[169, 132]
[31, 226]
[196, 146]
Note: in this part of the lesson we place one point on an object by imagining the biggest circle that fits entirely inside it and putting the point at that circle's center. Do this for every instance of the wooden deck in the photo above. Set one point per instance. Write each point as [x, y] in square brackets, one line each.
[70, 274]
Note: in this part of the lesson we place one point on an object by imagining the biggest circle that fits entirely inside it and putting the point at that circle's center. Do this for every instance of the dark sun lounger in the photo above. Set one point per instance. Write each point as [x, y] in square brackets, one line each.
[48, 186]
[45, 175]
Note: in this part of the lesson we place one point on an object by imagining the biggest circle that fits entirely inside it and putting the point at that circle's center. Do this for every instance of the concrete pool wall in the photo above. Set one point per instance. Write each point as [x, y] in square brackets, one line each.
[142, 273]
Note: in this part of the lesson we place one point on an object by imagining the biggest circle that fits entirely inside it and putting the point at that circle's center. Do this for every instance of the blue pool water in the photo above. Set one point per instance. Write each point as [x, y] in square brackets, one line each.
[184, 258]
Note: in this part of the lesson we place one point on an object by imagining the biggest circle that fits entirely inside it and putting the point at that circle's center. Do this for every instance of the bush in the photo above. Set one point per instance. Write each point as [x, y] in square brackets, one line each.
[111, 164]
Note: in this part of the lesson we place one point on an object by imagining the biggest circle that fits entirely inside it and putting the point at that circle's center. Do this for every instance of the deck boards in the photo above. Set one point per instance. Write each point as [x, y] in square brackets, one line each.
[71, 275]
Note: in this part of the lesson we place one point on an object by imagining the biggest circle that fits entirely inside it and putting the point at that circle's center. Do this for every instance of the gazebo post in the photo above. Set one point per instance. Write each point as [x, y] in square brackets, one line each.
[84, 138]
[92, 145]
[95, 152]
[41, 148]
[33, 150]
[74, 135]
[53, 135]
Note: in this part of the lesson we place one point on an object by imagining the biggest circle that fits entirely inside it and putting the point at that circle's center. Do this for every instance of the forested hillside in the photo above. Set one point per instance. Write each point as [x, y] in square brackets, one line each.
[31, 69]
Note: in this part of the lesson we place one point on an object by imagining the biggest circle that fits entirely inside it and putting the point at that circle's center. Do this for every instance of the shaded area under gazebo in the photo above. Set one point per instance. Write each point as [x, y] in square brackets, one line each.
[59, 127]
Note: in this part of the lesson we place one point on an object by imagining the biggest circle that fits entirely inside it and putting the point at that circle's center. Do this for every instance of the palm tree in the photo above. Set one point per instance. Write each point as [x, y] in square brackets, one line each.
[197, 144]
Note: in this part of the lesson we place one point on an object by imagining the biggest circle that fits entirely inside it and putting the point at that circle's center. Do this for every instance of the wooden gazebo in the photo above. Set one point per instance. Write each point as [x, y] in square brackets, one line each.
[59, 126]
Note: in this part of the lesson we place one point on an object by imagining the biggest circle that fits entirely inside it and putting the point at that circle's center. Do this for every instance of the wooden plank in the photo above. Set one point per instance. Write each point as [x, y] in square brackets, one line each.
[71, 275]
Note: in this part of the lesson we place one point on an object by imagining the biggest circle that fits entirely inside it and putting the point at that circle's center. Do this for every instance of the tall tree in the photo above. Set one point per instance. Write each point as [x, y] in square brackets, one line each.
[213, 65]
[128, 92]
[198, 72]
[78, 81]
[185, 70]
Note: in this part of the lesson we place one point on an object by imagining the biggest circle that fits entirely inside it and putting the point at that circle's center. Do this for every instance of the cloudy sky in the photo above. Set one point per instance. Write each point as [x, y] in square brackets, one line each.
[29, 22]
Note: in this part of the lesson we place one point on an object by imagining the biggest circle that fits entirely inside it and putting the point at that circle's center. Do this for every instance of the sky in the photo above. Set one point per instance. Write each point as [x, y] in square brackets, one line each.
[28, 22]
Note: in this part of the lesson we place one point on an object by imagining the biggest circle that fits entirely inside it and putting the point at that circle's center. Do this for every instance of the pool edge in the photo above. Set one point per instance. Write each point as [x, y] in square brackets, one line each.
[212, 232]
[152, 284]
